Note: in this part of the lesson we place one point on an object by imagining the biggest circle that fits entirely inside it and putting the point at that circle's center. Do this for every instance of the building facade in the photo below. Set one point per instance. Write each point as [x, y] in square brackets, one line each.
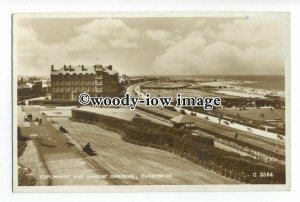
[69, 81]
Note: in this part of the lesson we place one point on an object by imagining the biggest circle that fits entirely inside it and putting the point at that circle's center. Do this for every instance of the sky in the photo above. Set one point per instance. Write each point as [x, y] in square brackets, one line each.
[244, 45]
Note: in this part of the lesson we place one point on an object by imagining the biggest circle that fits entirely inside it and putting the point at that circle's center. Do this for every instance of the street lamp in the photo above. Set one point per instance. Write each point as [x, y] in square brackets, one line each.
[276, 143]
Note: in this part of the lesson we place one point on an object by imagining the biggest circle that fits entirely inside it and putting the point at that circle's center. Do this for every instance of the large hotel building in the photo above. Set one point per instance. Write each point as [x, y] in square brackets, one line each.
[69, 81]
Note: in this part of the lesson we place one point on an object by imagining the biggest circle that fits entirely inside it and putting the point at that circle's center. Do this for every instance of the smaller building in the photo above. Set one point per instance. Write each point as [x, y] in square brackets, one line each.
[181, 121]
[23, 91]
[37, 88]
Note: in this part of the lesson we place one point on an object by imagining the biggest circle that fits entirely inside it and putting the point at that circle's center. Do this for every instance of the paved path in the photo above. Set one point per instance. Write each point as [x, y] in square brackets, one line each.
[20, 117]
[66, 166]
[32, 159]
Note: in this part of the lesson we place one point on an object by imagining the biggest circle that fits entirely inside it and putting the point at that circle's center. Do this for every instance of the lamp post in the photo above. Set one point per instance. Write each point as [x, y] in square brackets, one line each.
[276, 144]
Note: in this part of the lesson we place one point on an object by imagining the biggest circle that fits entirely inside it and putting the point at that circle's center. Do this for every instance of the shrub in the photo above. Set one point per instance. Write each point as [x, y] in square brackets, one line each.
[152, 112]
[93, 117]
[171, 108]
[182, 111]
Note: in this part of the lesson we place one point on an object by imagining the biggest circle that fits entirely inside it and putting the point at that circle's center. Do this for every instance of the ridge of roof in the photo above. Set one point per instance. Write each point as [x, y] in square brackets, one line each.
[82, 70]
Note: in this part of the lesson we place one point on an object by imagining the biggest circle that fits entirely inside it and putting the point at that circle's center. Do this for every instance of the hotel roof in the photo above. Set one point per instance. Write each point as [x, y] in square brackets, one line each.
[76, 70]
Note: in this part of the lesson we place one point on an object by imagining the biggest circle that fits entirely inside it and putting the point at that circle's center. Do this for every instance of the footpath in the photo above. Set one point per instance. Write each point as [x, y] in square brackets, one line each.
[64, 165]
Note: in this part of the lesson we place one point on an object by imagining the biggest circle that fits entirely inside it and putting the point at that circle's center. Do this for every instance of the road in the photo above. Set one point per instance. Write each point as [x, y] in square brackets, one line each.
[260, 141]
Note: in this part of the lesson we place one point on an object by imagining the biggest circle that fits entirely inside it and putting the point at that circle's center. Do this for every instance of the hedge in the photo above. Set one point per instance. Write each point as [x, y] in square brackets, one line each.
[55, 102]
[153, 112]
[244, 144]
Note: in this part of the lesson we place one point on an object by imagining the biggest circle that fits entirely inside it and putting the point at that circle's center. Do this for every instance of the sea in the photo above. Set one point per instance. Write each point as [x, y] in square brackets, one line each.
[267, 82]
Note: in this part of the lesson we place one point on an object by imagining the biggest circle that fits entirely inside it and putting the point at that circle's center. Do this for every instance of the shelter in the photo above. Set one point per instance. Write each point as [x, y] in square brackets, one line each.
[181, 121]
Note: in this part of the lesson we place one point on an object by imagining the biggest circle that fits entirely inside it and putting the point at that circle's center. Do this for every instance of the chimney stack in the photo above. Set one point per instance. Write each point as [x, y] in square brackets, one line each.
[82, 68]
[65, 67]
[109, 67]
[52, 68]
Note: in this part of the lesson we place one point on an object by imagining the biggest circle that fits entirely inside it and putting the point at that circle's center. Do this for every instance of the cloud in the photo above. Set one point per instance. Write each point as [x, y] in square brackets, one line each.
[163, 37]
[244, 46]
[112, 31]
[36, 56]
[252, 45]
[200, 23]
[258, 31]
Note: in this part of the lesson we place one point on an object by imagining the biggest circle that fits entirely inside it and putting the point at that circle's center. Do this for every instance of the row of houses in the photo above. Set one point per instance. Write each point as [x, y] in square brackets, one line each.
[33, 88]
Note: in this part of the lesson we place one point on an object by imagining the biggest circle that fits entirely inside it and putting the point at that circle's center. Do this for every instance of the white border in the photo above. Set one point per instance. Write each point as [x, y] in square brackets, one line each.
[159, 188]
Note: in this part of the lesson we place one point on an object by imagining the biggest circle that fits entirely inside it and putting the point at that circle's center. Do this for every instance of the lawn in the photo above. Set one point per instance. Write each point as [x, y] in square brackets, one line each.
[255, 113]
[164, 85]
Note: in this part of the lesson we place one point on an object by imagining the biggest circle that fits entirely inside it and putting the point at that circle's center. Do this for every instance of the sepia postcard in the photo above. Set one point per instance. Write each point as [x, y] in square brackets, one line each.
[118, 102]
